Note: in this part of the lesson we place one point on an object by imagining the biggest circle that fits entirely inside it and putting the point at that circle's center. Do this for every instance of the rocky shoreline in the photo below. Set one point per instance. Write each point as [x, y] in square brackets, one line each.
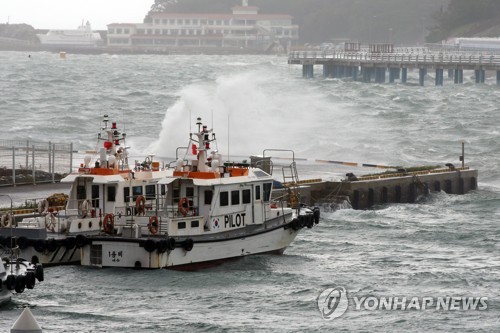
[23, 176]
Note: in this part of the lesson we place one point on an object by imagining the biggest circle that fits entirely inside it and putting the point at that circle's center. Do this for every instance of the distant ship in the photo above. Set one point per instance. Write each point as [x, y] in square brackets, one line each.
[81, 37]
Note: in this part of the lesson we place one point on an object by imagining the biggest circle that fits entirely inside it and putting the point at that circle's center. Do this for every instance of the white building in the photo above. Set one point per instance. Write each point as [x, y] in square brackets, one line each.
[244, 28]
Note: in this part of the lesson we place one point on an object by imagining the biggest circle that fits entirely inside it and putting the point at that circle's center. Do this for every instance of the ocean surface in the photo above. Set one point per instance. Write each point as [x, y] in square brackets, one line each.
[443, 246]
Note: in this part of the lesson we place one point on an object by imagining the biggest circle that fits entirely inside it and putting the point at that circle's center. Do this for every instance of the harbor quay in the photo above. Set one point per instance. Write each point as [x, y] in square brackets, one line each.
[388, 188]
[393, 64]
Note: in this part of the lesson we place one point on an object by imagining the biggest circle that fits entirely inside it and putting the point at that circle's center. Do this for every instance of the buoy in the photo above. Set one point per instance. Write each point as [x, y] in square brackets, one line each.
[26, 323]
[62, 55]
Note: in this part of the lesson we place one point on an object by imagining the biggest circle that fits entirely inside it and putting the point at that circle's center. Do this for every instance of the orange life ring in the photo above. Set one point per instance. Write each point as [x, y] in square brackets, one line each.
[108, 224]
[183, 206]
[140, 205]
[153, 225]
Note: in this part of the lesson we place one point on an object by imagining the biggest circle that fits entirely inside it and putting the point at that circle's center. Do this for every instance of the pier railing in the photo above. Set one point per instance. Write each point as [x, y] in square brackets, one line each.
[30, 162]
[430, 58]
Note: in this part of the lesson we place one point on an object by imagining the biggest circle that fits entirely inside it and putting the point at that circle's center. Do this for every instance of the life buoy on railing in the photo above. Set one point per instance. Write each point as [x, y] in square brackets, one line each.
[108, 224]
[153, 225]
[183, 206]
[50, 222]
[6, 220]
[140, 205]
[43, 206]
[86, 208]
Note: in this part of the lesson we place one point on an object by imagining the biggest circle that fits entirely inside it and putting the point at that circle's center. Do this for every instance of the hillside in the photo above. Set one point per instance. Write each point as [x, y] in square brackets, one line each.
[464, 18]
[398, 21]
[22, 32]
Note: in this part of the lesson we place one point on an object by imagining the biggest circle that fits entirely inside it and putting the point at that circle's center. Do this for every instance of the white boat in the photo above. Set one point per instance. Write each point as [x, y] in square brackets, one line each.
[189, 214]
[53, 235]
[81, 37]
[17, 275]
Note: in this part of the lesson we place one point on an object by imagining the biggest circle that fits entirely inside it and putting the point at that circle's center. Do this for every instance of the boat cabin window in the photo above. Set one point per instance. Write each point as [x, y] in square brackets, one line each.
[181, 225]
[246, 196]
[95, 195]
[189, 191]
[208, 197]
[111, 193]
[267, 191]
[126, 194]
[163, 189]
[150, 191]
[235, 198]
[195, 224]
[257, 192]
[177, 194]
[136, 191]
[224, 199]
[80, 192]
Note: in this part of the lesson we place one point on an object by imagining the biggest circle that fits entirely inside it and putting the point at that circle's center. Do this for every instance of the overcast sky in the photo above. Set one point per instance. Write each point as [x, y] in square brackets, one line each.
[68, 14]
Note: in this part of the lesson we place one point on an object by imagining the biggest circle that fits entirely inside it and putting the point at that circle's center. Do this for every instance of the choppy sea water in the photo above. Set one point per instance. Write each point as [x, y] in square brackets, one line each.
[445, 245]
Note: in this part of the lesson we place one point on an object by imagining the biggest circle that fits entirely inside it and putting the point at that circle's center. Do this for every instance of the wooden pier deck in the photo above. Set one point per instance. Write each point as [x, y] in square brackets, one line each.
[374, 65]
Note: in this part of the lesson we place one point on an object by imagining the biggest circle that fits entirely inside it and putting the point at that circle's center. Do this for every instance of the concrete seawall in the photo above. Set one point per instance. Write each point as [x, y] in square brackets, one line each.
[398, 188]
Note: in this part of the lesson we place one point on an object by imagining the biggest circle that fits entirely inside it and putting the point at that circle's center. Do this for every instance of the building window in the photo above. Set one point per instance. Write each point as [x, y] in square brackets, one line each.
[246, 196]
[111, 31]
[157, 21]
[235, 198]
[224, 199]
[126, 31]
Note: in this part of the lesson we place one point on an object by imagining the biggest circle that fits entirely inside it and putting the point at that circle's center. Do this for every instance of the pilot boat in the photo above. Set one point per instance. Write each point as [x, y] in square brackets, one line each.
[194, 212]
[54, 234]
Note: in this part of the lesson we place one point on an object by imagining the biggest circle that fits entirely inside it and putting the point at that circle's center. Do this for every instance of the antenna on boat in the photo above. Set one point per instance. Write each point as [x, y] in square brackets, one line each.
[190, 117]
[228, 137]
[212, 111]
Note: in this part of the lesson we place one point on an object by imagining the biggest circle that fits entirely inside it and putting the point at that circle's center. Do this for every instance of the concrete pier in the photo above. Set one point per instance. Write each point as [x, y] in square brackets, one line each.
[366, 192]
[376, 64]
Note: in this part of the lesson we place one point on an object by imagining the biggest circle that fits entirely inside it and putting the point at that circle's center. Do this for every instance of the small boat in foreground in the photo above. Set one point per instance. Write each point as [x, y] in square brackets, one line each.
[17, 275]
[187, 215]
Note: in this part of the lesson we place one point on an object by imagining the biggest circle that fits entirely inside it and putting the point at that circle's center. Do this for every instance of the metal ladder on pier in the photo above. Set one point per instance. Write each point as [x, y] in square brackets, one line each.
[291, 183]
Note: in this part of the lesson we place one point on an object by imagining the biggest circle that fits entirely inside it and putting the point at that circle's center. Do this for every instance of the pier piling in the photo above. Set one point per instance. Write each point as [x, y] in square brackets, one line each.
[439, 76]
[404, 75]
[422, 72]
